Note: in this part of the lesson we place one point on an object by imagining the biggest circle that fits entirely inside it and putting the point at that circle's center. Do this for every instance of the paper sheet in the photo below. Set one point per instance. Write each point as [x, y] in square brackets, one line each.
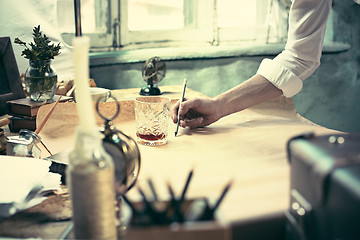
[58, 132]
[21, 182]
[248, 147]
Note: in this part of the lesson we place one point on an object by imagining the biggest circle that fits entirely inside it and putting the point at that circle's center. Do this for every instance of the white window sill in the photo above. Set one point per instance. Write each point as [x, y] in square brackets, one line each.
[112, 57]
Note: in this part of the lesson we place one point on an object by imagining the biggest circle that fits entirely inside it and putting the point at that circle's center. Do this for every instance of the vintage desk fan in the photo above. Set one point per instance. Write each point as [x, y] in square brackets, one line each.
[153, 72]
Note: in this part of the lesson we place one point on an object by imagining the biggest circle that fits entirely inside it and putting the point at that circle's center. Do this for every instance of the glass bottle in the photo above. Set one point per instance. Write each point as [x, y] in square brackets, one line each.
[40, 80]
[91, 185]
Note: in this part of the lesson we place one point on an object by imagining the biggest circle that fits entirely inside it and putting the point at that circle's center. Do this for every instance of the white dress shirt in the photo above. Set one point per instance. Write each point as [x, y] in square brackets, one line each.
[301, 56]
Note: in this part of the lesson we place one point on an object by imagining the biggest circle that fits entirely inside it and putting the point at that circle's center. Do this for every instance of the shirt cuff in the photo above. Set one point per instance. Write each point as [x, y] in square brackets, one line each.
[281, 77]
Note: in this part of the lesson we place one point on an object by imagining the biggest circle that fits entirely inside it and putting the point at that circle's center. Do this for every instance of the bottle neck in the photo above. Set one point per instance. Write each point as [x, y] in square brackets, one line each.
[89, 149]
[29, 135]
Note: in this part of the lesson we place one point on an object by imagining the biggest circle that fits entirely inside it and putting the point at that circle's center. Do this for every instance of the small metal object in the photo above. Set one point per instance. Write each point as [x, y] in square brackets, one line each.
[24, 145]
[301, 211]
[340, 140]
[123, 150]
[295, 206]
[336, 140]
[332, 139]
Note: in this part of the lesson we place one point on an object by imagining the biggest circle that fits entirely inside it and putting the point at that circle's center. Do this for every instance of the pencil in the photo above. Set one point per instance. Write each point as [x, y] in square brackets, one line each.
[181, 100]
[37, 131]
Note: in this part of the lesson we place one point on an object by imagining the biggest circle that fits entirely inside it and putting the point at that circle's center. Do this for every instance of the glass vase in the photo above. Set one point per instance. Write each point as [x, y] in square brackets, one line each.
[40, 80]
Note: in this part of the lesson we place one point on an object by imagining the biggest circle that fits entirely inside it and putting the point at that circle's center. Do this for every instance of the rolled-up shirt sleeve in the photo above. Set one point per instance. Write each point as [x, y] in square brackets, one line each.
[301, 56]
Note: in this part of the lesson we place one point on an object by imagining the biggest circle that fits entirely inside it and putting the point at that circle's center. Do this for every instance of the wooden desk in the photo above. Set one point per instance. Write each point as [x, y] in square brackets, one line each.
[248, 147]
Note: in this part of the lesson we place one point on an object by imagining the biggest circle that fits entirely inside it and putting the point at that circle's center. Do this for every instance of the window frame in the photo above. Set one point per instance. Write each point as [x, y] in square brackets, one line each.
[208, 32]
[199, 31]
[100, 39]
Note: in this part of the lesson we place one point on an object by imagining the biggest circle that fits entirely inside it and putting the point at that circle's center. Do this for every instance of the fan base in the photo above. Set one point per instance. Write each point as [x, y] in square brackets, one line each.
[150, 91]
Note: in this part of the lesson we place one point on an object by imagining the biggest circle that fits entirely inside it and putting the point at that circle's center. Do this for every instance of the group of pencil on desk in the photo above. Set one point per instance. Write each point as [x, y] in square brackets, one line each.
[157, 212]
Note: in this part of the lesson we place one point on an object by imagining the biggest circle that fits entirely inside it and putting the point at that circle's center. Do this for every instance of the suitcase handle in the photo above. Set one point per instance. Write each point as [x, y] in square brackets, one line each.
[306, 135]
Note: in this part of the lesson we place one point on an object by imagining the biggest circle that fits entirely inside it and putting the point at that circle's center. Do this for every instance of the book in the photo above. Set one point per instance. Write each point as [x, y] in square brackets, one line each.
[24, 107]
[28, 107]
[18, 123]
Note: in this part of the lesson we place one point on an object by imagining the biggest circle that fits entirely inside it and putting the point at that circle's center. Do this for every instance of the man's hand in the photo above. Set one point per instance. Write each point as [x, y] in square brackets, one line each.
[196, 112]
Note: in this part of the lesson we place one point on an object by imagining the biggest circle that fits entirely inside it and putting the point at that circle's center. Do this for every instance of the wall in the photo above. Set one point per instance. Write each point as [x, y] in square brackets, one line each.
[209, 76]
[330, 97]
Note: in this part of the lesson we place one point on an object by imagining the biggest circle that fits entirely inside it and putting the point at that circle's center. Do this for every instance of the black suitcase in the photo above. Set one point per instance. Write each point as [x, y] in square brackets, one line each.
[325, 187]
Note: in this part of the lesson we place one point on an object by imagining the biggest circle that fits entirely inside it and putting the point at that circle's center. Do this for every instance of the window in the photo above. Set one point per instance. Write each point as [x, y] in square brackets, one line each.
[139, 23]
[165, 21]
[98, 18]
[257, 20]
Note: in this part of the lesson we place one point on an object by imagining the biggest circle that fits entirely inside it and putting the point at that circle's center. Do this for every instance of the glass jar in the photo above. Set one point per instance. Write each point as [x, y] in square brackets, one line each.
[24, 145]
[40, 80]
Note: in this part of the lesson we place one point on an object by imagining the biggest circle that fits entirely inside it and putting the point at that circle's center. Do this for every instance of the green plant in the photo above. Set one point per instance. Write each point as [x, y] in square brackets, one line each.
[41, 49]
[40, 77]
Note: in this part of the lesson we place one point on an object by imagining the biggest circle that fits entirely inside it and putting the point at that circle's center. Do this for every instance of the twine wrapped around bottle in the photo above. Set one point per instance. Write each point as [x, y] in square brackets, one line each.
[97, 222]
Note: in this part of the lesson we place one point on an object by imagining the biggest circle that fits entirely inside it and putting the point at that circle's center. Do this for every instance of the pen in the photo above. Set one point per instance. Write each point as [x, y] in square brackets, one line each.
[226, 189]
[208, 212]
[155, 215]
[152, 188]
[66, 231]
[186, 186]
[171, 191]
[181, 100]
[174, 206]
[147, 203]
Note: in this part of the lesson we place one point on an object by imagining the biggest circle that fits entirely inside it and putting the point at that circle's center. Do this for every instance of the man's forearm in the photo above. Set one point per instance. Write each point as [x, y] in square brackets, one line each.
[255, 90]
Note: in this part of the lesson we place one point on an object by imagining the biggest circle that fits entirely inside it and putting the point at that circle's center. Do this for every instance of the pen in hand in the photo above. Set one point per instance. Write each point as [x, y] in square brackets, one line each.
[181, 100]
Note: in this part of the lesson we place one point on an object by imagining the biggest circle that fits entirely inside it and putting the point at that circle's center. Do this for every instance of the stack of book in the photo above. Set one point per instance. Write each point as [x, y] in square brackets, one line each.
[23, 112]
